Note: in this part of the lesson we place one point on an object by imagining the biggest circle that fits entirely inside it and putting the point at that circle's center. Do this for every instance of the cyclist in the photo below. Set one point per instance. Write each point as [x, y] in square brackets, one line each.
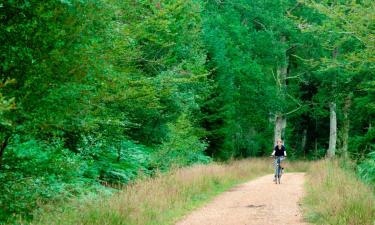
[279, 151]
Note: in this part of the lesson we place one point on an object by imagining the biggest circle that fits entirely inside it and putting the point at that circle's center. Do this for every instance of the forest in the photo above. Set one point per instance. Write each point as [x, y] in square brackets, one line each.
[95, 94]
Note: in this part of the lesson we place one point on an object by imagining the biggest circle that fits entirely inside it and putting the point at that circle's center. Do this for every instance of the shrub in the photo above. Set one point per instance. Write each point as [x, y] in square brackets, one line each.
[366, 169]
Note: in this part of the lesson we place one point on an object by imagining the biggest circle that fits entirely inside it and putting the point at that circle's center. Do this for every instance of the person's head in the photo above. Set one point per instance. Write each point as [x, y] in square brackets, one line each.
[279, 142]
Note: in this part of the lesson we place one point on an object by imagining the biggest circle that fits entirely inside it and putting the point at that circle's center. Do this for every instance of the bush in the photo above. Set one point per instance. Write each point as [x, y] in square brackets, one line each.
[34, 172]
[182, 147]
[366, 169]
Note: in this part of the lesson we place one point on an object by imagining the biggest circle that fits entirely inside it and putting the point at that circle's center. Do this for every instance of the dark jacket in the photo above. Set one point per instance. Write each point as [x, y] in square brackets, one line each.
[279, 152]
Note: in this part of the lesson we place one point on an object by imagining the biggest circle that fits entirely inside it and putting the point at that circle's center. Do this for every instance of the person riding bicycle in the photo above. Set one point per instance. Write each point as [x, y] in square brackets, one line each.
[279, 151]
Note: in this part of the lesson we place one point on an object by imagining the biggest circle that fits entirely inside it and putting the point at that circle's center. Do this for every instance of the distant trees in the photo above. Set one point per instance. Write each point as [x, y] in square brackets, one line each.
[346, 28]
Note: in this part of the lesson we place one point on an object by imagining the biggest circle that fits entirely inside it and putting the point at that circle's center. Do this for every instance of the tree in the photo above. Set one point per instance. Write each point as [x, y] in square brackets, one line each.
[347, 26]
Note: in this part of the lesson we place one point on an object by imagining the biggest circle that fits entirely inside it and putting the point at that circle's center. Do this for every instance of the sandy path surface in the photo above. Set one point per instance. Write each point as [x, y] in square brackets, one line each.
[259, 201]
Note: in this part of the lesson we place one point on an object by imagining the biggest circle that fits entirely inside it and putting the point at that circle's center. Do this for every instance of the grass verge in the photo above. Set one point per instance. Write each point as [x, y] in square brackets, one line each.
[336, 196]
[162, 199]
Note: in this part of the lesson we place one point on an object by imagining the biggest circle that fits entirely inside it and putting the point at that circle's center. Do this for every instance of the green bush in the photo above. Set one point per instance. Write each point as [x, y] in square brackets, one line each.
[34, 172]
[37, 172]
[182, 146]
[366, 169]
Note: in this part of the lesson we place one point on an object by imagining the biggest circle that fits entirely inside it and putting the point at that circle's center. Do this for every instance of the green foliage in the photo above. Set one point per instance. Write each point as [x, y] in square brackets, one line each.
[341, 68]
[36, 172]
[112, 162]
[97, 91]
[241, 60]
[348, 21]
[182, 147]
[366, 169]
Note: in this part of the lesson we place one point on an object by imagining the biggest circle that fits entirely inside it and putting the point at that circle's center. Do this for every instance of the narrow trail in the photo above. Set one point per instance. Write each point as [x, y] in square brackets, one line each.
[259, 201]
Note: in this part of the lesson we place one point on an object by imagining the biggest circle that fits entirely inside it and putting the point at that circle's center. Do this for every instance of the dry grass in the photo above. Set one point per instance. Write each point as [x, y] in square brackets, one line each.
[164, 198]
[336, 196]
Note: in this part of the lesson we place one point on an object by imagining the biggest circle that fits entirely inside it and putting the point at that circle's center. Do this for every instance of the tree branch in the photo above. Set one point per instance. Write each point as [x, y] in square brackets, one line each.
[296, 109]
[2, 148]
[289, 11]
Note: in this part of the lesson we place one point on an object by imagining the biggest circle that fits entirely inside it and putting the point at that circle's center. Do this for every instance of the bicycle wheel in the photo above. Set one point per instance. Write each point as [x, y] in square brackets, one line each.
[278, 171]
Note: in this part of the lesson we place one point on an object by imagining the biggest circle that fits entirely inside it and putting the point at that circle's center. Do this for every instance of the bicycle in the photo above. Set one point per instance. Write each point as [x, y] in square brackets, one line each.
[278, 169]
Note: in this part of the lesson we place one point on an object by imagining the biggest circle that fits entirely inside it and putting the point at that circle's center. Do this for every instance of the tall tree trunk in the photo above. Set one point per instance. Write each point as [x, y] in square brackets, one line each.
[332, 130]
[283, 128]
[346, 125]
[316, 138]
[332, 118]
[303, 142]
[280, 120]
[279, 127]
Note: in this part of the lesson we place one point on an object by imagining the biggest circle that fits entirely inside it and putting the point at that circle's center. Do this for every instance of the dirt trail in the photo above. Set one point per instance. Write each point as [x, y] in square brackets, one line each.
[256, 202]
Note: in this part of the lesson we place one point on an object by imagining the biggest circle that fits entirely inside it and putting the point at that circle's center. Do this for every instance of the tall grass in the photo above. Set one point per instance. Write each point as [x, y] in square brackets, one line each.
[336, 196]
[162, 199]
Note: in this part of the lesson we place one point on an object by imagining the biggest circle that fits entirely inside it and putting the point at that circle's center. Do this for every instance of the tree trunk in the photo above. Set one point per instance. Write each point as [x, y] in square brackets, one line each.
[369, 124]
[316, 138]
[278, 128]
[332, 118]
[280, 120]
[346, 126]
[2, 149]
[332, 130]
[303, 142]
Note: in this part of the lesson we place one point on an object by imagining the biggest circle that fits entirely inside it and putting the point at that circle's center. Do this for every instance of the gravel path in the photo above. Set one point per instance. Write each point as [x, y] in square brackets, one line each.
[256, 202]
